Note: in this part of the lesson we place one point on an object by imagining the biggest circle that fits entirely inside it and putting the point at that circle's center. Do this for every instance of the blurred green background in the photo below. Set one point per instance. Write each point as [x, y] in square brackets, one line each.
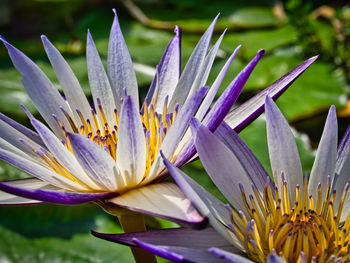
[290, 31]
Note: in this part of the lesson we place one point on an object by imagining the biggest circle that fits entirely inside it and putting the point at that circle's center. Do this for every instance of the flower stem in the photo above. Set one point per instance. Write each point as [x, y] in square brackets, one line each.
[134, 222]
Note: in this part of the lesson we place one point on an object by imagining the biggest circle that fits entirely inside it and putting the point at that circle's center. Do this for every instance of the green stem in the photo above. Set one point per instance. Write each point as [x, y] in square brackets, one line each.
[133, 222]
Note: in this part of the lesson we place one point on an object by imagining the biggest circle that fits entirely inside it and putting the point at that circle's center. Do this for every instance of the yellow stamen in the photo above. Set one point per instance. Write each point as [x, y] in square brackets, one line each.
[301, 234]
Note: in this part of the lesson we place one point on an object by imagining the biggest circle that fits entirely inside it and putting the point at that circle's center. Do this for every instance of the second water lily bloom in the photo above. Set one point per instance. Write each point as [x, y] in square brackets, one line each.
[293, 218]
[110, 153]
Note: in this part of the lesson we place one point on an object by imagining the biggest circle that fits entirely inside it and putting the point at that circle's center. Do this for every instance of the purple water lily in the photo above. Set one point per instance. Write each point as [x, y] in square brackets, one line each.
[110, 153]
[290, 219]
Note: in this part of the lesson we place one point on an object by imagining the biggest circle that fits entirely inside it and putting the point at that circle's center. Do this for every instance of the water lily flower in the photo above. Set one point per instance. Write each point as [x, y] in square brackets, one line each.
[293, 218]
[110, 153]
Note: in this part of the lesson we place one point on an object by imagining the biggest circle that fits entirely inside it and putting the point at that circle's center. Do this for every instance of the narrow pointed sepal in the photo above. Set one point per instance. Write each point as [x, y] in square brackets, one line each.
[36, 82]
[119, 65]
[243, 115]
[49, 193]
[283, 151]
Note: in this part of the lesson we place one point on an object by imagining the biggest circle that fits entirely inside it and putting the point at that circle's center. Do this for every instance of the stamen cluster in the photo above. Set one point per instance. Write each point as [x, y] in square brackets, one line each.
[309, 230]
[155, 129]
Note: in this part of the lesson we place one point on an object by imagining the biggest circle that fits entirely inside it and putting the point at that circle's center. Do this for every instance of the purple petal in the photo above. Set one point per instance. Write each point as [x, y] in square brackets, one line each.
[245, 156]
[229, 257]
[343, 156]
[185, 237]
[176, 131]
[69, 82]
[62, 154]
[324, 164]
[225, 169]
[96, 162]
[160, 251]
[22, 129]
[9, 199]
[168, 71]
[222, 106]
[207, 204]
[163, 200]
[179, 254]
[131, 144]
[99, 83]
[39, 171]
[192, 68]
[241, 116]
[273, 258]
[343, 170]
[120, 68]
[41, 91]
[50, 195]
[283, 151]
[203, 73]
[170, 61]
[11, 136]
[203, 109]
[230, 95]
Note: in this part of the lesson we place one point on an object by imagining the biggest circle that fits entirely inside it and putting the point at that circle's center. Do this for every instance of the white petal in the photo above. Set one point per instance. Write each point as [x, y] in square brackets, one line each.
[202, 76]
[192, 67]
[207, 204]
[163, 200]
[223, 167]
[9, 199]
[62, 154]
[99, 83]
[41, 91]
[283, 151]
[131, 144]
[324, 164]
[40, 171]
[97, 163]
[175, 133]
[120, 69]
[69, 82]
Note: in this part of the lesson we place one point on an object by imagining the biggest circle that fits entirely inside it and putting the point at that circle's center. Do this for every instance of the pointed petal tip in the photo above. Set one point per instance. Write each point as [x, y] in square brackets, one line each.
[214, 21]
[261, 52]
[44, 38]
[27, 112]
[3, 39]
[159, 251]
[314, 57]
[114, 11]
[268, 101]
[96, 234]
[194, 124]
[203, 90]
[163, 157]
[177, 31]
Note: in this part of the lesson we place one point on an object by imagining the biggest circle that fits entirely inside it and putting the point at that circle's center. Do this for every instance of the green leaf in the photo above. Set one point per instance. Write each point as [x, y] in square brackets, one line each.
[252, 41]
[48, 220]
[316, 89]
[249, 17]
[82, 248]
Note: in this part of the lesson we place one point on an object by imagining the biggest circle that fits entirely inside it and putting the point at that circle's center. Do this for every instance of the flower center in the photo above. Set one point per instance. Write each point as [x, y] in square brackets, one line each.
[307, 231]
[105, 135]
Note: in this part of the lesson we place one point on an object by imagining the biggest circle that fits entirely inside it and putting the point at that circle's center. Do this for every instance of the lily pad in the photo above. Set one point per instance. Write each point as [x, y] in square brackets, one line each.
[82, 248]
[253, 17]
[252, 41]
[316, 89]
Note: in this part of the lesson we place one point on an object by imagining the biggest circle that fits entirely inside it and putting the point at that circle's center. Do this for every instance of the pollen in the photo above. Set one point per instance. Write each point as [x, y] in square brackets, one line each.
[309, 230]
[105, 134]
